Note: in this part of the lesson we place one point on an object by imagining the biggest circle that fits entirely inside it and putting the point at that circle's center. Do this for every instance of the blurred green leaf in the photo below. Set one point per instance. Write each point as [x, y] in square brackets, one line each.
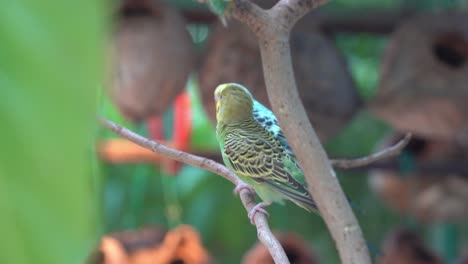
[50, 67]
[107, 109]
[203, 133]
[363, 53]
[218, 6]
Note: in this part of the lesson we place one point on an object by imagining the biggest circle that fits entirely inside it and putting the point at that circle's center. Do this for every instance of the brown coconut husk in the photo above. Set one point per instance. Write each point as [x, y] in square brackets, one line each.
[150, 245]
[323, 80]
[463, 258]
[424, 76]
[152, 58]
[428, 198]
[403, 246]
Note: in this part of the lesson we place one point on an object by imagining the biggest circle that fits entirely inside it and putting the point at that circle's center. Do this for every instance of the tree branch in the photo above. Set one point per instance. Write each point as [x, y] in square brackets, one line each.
[250, 13]
[389, 152]
[282, 91]
[290, 11]
[263, 229]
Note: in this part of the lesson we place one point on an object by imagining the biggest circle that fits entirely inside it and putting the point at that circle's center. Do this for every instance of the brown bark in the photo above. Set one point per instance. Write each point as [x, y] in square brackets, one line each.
[272, 28]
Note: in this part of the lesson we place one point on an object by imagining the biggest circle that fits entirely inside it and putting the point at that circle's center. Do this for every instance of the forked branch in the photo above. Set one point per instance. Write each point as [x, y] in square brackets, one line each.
[273, 28]
[290, 11]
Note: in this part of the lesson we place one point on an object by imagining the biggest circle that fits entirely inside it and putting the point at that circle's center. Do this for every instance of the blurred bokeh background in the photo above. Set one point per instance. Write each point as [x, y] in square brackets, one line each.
[368, 71]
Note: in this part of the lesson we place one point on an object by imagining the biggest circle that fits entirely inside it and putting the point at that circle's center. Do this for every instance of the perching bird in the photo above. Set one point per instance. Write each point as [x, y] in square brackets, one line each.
[253, 146]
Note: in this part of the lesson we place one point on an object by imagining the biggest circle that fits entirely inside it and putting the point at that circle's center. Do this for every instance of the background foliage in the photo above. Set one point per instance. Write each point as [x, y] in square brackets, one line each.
[50, 67]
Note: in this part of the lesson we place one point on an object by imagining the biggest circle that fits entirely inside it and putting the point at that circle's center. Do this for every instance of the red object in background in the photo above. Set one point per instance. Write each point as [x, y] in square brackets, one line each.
[155, 128]
[182, 126]
[182, 121]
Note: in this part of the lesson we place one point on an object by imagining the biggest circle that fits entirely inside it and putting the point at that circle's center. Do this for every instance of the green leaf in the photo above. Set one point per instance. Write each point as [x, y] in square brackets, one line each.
[50, 67]
[218, 6]
[203, 136]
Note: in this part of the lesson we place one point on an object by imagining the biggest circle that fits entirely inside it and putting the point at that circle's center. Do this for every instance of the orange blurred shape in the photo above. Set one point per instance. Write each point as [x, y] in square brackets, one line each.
[124, 151]
[151, 245]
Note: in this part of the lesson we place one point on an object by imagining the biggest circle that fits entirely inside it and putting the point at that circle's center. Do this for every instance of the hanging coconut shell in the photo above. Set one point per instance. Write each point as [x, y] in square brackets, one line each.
[150, 245]
[152, 57]
[403, 246]
[295, 248]
[429, 196]
[323, 80]
[463, 258]
[424, 76]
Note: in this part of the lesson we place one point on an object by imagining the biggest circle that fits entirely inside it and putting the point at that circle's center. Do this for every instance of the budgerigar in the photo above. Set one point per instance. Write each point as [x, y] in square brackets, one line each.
[255, 149]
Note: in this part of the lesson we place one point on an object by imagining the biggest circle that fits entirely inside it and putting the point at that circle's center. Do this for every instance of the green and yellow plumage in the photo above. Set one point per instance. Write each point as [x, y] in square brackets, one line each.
[254, 147]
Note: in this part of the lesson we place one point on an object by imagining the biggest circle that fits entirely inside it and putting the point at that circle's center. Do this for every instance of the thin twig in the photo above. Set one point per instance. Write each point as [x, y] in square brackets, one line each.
[389, 152]
[264, 233]
[263, 229]
[421, 169]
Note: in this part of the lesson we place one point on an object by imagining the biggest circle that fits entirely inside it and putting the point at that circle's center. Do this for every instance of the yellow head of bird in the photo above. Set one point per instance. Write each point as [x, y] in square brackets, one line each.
[232, 100]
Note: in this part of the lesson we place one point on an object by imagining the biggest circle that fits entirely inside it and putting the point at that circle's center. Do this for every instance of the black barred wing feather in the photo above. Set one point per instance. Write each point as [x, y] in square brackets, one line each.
[264, 159]
[253, 156]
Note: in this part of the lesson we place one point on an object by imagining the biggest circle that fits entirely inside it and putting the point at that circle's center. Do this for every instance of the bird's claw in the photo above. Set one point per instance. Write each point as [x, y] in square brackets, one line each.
[258, 208]
[241, 186]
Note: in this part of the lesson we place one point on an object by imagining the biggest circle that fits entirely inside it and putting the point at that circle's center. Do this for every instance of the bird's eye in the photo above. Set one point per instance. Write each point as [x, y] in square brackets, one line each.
[220, 97]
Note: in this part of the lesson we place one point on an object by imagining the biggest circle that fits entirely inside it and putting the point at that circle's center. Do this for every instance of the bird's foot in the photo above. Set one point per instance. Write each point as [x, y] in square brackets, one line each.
[241, 186]
[258, 208]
